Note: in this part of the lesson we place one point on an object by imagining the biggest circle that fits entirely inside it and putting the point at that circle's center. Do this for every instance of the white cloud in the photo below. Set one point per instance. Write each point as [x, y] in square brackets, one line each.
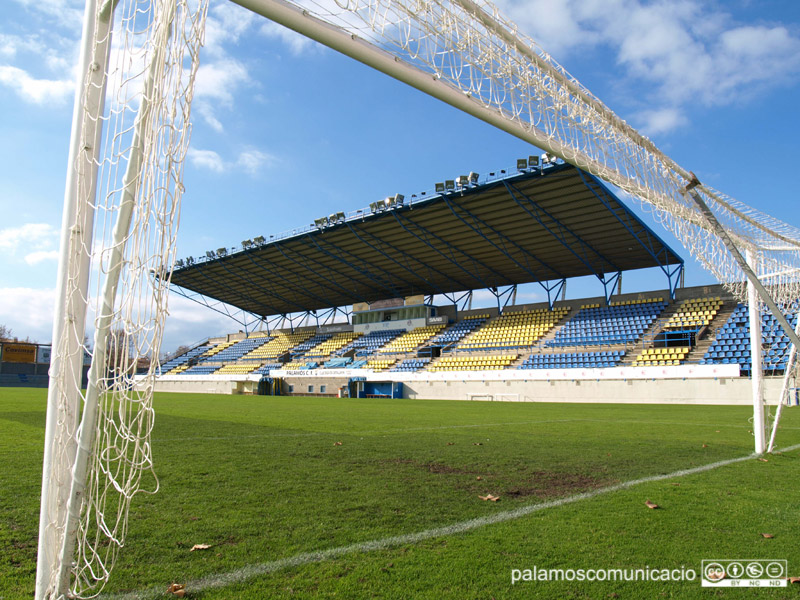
[250, 161]
[30, 235]
[206, 112]
[216, 85]
[66, 13]
[297, 43]
[684, 51]
[28, 312]
[226, 23]
[34, 258]
[38, 91]
[219, 80]
[206, 159]
[654, 122]
[188, 322]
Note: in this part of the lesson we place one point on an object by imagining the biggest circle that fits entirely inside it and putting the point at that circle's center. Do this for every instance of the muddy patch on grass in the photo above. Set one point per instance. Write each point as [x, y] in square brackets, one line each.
[550, 484]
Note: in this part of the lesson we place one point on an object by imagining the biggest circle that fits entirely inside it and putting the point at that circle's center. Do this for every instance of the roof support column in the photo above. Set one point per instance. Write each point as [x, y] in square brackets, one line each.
[553, 289]
[609, 281]
[508, 293]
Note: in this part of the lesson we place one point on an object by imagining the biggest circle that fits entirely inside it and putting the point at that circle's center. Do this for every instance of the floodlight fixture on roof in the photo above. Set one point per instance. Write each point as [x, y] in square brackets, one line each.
[439, 188]
[398, 199]
[179, 263]
[259, 240]
[463, 181]
[533, 160]
[339, 216]
[320, 223]
[522, 164]
[548, 158]
[449, 184]
[473, 177]
[247, 244]
[375, 207]
[222, 251]
[211, 254]
[190, 260]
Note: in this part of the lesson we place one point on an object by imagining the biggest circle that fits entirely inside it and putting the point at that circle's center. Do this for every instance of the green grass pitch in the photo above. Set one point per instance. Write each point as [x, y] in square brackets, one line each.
[261, 479]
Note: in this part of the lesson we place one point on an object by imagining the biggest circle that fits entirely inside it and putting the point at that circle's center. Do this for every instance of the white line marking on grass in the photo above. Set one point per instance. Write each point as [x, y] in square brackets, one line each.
[221, 580]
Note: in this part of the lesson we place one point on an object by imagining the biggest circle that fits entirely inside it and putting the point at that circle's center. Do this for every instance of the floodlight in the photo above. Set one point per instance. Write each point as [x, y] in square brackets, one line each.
[211, 254]
[449, 184]
[374, 207]
[320, 222]
[473, 177]
[259, 240]
[522, 164]
[533, 160]
[179, 263]
[247, 244]
[339, 216]
[222, 251]
[398, 199]
[463, 181]
[189, 260]
[439, 187]
[547, 159]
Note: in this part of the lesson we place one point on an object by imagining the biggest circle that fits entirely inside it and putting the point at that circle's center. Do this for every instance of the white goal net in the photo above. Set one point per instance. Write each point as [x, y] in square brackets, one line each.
[123, 196]
[120, 224]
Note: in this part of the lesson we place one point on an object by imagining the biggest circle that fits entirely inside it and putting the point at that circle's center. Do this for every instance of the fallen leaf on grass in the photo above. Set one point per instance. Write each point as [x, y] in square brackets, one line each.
[177, 589]
[337, 443]
[451, 443]
[649, 504]
[705, 445]
[479, 478]
[794, 579]
[767, 535]
[763, 460]
[489, 497]
[477, 444]
[199, 547]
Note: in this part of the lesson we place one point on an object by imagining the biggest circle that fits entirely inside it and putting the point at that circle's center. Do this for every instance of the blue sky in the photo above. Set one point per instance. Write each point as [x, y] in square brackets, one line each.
[286, 131]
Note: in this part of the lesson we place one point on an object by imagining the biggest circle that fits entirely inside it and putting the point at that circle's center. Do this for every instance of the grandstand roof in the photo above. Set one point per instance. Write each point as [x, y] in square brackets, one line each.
[545, 224]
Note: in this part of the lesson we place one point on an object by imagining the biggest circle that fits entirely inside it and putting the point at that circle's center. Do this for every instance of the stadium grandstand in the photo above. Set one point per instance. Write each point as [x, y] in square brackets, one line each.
[383, 299]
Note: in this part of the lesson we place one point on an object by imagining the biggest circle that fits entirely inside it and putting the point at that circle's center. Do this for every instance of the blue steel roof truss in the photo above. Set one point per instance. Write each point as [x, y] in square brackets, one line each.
[543, 226]
[377, 243]
[280, 274]
[352, 262]
[646, 236]
[560, 232]
[453, 250]
[305, 266]
[503, 240]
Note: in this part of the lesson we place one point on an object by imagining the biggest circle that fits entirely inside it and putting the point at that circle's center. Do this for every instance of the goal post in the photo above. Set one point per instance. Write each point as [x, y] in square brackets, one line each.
[129, 138]
[66, 368]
